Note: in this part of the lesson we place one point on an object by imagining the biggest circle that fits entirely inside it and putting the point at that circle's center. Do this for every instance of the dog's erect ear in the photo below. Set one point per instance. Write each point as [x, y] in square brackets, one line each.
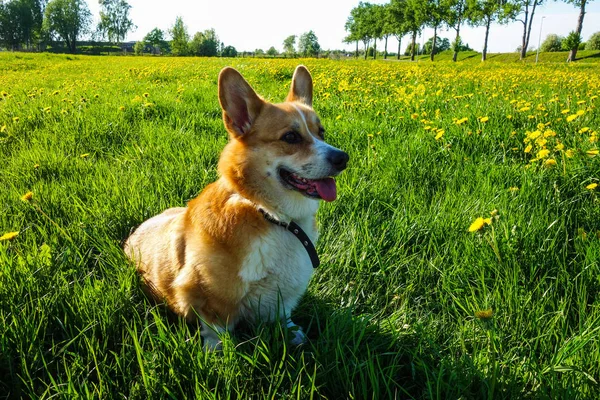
[240, 103]
[302, 86]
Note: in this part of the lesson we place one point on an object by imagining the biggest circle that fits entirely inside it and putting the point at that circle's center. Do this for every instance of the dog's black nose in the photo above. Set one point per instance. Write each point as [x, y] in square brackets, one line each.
[338, 159]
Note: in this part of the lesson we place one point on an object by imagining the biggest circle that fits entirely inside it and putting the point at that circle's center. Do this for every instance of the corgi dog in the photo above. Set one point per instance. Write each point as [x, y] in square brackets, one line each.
[243, 249]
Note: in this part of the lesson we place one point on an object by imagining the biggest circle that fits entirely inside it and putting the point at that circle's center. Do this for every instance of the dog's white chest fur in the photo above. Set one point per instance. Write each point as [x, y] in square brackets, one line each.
[276, 273]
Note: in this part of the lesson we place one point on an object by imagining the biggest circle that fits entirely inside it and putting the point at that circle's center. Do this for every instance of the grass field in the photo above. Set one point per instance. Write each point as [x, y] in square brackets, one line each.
[461, 259]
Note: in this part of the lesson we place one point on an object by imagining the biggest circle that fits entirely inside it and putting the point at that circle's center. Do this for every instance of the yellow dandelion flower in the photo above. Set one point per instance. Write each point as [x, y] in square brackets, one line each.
[494, 212]
[592, 153]
[571, 117]
[591, 186]
[3, 128]
[569, 153]
[338, 117]
[487, 221]
[15, 119]
[122, 108]
[439, 134]
[84, 155]
[543, 153]
[484, 314]
[9, 236]
[550, 162]
[513, 189]
[477, 225]
[528, 149]
[580, 113]
[580, 102]
[584, 129]
[565, 111]
[509, 116]
[483, 119]
[27, 196]
[559, 146]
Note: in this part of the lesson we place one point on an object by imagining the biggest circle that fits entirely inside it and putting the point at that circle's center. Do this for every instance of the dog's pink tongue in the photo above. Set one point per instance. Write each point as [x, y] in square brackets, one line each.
[326, 188]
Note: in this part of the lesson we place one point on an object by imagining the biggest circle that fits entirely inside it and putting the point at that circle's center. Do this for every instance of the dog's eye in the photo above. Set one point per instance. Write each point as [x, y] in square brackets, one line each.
[292, 137]
[322, 133]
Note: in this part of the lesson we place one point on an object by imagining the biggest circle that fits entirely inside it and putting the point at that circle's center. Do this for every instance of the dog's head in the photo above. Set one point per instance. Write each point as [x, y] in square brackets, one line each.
[277, 155]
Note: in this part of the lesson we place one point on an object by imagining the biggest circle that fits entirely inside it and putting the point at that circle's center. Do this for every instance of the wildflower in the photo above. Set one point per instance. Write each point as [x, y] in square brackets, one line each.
[571, 117]
[47, 109]
[584, 129]
[36, 166]
[9, 236]
[122, 108]
[528, 149]
[559, 146]
[439, 134]
[84, 155]
[580, 102]
[550, 162]
[484, 314]
[580, 113]
[3, 128]
[479, 223]
[27, 196]
[543, 153]
[483, 119]
[591, 186]
[15, 119]
[566, 111]
[592, 153]
[569, 153]
[338, 117]
[461, 121]
[494, 212]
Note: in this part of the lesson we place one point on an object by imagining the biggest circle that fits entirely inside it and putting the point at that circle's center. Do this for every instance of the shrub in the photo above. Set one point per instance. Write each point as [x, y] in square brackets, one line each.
[571, 41]
[593, 42]
[552, 43]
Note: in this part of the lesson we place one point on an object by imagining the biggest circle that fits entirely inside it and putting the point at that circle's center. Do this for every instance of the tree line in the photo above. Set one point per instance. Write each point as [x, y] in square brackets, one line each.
[368, 22]
[33, 24]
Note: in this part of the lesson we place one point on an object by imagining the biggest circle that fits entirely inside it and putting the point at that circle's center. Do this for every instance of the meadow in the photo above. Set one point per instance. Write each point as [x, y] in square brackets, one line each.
[461, 259]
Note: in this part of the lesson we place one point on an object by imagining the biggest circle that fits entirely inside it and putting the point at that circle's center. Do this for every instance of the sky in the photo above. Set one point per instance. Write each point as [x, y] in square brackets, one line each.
[260, 24]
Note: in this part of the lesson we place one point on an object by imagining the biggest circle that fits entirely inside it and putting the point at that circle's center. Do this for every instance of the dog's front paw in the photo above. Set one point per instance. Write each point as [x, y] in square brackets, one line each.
[298, 336]
[210, 344]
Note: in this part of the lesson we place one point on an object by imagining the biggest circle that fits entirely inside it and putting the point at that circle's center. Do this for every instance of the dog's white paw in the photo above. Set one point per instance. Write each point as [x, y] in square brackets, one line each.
[298, 336]
[210, 344]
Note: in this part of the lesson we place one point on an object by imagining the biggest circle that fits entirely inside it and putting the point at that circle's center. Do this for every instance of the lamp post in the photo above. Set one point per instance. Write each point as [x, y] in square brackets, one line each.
[539, 40]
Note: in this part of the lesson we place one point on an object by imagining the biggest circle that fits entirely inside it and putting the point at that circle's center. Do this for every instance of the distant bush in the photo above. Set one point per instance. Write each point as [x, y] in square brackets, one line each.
[552, 43]
[138, 48]
[593, 42]
[571, 41]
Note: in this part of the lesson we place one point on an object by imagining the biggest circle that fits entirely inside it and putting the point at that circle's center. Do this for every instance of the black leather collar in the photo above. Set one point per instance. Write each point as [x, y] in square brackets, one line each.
[295, 229]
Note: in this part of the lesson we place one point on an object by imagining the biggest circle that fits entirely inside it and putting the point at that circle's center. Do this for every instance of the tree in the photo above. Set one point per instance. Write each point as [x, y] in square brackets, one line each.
[361, 22]
[114, 20]
[397, 10]
[180, 36]
[593, 42]
[527, 8]
[413, 22]
[229, 51]
[351, 27]
[456, 16]
[156, 39]
[289, 44]
[20, 23]
[272, 51]
[551, 43]
[576, 39]
[205, 44]
[484, 12]
[387, 25]
[435, 13]
[68, 19]
[308, 44]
